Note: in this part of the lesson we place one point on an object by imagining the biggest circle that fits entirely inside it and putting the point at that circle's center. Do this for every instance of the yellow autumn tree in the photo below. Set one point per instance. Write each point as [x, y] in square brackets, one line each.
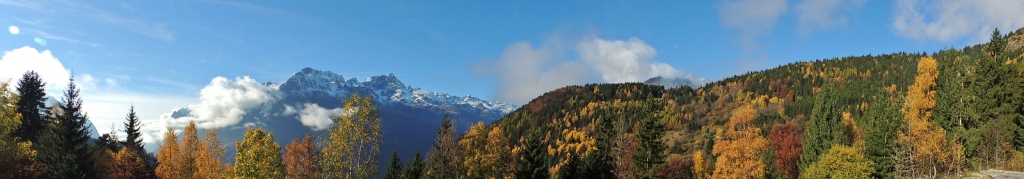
[700, 165]
[739, 150]
[169, 156]
[13, 152]
[472, 145]
[925, 141]
[209, 156]
[841, 162]
[500, 154]
[258, 156]
[351, 148]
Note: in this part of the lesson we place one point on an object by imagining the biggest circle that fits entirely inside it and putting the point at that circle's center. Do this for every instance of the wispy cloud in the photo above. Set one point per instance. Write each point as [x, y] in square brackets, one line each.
[153, 29]
[752, 19]
[46, 35]
[825, 14]
[948, 20]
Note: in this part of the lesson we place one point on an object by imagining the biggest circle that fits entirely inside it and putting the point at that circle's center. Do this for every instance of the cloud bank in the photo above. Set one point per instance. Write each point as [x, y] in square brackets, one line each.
[948, 20]
[525, 72]
[223, 102]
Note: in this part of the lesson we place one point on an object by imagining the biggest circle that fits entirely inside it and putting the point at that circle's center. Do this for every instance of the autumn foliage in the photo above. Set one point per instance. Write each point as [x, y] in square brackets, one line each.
[739, 151]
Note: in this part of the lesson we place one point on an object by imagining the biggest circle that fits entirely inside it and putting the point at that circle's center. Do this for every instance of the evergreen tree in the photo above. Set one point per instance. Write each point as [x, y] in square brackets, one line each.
[444, 161]
[132, 126]
[883, 119]
[825, 128]
[30, 105]
[531, 159]
[394, 167]
[64, 149]
[414, 168]
[649, 156]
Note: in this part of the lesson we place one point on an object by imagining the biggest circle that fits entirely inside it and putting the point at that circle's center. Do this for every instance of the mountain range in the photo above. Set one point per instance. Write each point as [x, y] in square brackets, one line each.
[409, 115]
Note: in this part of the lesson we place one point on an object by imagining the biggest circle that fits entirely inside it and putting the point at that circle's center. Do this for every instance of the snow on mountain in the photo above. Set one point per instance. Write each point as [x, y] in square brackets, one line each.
[387, 90]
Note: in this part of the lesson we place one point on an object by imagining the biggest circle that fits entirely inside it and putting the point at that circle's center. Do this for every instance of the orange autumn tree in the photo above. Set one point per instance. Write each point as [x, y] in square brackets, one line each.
[168, 156]
[299, 157]
[189, 148]
[785, 141]
[209, 157]
[739, 150]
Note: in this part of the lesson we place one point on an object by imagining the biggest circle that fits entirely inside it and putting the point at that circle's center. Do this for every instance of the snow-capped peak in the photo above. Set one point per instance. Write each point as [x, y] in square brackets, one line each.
[387, 90]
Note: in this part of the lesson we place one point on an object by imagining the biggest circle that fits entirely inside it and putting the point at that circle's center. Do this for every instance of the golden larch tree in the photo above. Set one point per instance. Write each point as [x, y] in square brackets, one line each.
[168, 157]
[208, 161]
[739, 150]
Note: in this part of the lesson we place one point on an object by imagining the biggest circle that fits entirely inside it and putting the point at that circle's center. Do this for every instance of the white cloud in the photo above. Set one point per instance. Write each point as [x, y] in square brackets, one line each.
[14, 30]
[948, 20]
[524, 72]
[16, 62]
[223, 102]
[623, 61]
[824, 14]
[289, 110]
[316, 117]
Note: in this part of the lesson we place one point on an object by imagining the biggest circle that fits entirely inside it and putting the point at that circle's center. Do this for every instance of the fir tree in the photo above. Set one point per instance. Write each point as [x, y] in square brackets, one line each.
[64, 148]
[30, 105]
[132, 126]
[444, 160]
[414, 168]
[531, 161]
[824, 129]
[649, 157]
[394, 167]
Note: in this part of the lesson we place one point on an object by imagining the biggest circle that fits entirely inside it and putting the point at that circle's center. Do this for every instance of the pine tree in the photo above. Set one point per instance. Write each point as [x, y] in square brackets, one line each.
[444, 161]
[258, 156]
[883, 119]
[132, 126]
[824, 129]
[351, 149]
[64, 148]
[394, 167]
[31, 103]
[649, 156]
[414, 168]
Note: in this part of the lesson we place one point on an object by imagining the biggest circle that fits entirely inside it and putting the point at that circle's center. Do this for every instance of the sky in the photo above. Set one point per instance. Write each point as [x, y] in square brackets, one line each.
[164, 55]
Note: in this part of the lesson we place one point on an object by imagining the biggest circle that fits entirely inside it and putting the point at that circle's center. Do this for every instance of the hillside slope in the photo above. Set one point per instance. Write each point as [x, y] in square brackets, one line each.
[877, 107]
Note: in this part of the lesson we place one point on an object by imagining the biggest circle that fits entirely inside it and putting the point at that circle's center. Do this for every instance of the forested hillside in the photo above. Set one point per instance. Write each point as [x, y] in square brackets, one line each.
[906, 114]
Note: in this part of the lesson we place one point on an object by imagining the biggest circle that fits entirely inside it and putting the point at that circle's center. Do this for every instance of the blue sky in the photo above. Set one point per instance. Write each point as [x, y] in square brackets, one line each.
[162, 55]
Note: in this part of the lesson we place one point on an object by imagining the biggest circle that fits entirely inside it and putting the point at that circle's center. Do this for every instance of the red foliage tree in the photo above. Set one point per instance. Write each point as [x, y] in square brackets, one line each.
[785, 140]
